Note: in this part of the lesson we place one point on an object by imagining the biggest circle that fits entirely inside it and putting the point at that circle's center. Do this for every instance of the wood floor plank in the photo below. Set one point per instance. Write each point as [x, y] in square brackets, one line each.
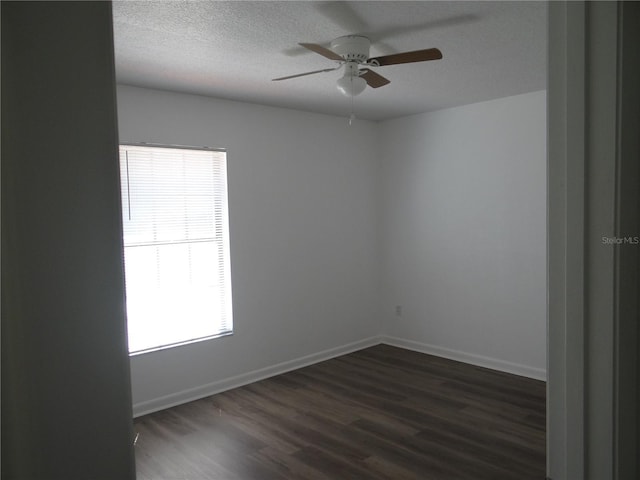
[290, 467]
[382, 413]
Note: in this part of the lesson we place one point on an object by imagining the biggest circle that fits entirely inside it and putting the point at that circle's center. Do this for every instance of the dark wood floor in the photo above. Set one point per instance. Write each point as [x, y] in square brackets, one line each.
[380, 413]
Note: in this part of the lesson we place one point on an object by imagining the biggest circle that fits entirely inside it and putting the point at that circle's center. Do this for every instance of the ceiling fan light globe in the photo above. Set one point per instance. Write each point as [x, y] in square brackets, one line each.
[351, 85]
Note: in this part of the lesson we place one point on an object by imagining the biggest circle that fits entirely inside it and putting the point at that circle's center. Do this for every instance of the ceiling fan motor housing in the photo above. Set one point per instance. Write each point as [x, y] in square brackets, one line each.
[353, 48]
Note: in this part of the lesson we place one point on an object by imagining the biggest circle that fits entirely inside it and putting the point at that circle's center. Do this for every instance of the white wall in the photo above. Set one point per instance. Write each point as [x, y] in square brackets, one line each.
[464, 233]
[303, 234]
[331, 228]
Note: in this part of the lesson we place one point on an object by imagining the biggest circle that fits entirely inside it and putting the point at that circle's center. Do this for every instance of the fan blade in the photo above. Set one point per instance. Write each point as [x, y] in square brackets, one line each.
[408, 57]
[373, 79]
[307, 73]
[325, 52]
[299, 50]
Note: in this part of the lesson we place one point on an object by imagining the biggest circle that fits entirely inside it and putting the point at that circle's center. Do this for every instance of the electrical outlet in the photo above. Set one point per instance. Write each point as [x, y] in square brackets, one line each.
[398, 310]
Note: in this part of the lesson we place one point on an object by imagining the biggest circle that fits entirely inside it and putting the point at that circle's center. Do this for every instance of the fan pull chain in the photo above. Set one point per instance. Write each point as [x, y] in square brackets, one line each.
[352, 117]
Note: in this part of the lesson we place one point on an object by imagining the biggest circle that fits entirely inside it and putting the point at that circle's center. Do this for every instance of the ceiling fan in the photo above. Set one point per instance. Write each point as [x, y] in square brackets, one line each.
[352, 53]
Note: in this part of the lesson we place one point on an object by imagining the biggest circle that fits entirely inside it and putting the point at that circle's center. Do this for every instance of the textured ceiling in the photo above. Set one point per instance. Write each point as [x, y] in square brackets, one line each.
[232, 50]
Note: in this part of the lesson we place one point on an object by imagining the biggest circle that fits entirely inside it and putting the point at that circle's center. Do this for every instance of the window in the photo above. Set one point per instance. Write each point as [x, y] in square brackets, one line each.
[176, 245]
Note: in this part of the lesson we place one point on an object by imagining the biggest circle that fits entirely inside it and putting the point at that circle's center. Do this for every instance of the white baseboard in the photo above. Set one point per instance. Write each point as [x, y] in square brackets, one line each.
[473, 359]
[202, 391]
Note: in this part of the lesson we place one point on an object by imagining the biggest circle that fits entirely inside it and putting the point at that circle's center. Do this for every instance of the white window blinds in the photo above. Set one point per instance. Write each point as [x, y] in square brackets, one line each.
[176, 245]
